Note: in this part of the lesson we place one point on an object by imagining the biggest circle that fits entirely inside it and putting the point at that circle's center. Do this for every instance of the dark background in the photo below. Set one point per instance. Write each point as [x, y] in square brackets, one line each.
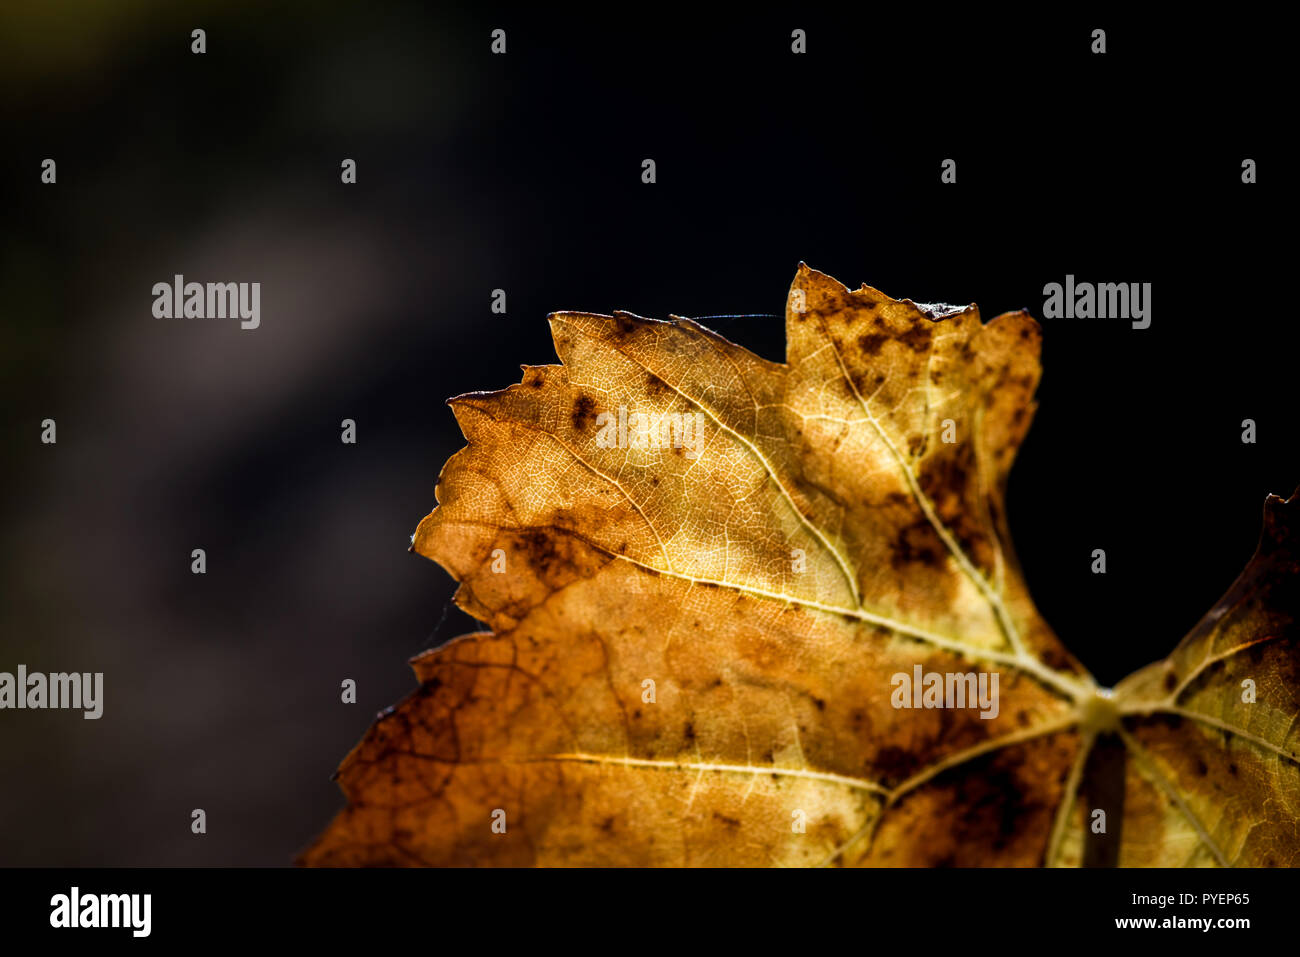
[523, 172]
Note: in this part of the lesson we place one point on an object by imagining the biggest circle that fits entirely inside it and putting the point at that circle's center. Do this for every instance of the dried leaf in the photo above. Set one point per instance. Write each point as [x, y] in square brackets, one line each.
[700, 608]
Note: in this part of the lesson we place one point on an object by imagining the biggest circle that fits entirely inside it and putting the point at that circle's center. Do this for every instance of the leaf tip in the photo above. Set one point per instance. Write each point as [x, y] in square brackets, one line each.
[1280, 518]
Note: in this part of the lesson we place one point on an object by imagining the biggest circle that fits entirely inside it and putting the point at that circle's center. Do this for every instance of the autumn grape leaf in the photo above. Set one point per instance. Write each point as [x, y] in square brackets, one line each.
[710, 582]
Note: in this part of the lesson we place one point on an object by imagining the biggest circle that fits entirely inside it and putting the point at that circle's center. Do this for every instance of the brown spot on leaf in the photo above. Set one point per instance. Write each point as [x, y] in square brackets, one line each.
[871, 342]
[894, 764]
[917, 543]
[583, 412]
[917, 338]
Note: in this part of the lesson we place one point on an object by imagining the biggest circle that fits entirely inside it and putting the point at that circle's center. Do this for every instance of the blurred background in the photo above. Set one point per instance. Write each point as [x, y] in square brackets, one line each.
[522, 172]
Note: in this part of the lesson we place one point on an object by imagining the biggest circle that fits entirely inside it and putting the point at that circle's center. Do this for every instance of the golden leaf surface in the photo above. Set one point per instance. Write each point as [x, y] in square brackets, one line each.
[704, 574]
